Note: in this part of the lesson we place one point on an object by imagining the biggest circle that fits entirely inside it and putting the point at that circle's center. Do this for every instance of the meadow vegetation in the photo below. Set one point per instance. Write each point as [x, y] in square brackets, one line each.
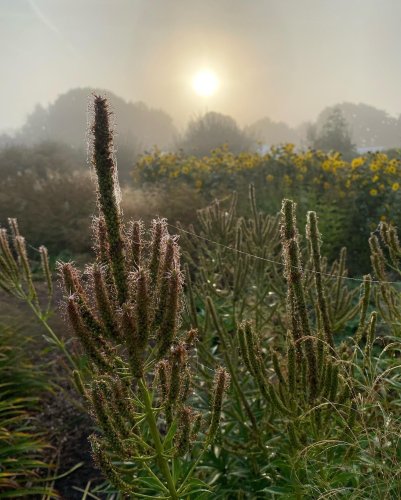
[243, 352]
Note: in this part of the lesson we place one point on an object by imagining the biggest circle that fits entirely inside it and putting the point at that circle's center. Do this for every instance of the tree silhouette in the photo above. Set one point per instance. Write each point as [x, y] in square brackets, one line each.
[270, 133]
[334, 135]
[371, 127]
[211, 131]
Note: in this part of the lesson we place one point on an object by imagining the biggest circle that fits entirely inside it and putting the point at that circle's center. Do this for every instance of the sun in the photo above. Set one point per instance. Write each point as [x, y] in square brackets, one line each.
[205, 83]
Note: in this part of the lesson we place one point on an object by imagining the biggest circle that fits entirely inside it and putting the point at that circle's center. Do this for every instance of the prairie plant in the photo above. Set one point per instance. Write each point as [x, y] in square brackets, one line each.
[386, 263]
[309, 378]
[330, 401]
[16, 279]
[303, 394]
[126, 311]
[231, 258]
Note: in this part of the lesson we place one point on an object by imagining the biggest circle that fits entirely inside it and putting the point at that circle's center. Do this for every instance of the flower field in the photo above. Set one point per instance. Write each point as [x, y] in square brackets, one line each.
[352, 197]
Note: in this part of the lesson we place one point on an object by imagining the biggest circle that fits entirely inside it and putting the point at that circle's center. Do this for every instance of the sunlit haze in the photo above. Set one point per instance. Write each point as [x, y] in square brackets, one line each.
[285, 60]
[205, 83]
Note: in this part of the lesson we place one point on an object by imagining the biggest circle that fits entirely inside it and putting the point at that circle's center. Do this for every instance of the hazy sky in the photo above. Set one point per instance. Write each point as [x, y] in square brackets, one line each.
[286, 59]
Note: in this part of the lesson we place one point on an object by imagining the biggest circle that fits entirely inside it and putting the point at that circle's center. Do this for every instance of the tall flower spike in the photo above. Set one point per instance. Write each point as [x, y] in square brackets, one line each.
[370, 336]
[178, 363]
[159, 229]
[293, 273]
[136, 241]
[183, 437]
[313, 235]
[84, 336]
[7, 255]
[163, 372]
[255, 359]
[106, 172]
[377, 258]
[71, 279]
[363, 307]
[44, 260]
[103, 462]
[104, 304]
[220, 385]
[244, 348]
[169, 259]
[169, 322]
[128, 327]
[142, 308]
[101, 245]
[13, 223]
[101, 407]
[394, 242]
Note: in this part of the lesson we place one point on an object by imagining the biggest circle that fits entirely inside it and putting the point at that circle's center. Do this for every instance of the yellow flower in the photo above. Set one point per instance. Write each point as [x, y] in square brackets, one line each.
[373, 192]
[348, 183]
[289, 148]
[300, 177]
[269, 178]
[198, 183]
[326, 165]
[374, 167]
[395, 186]
[357, 162]
[391, 169]
[375, 178]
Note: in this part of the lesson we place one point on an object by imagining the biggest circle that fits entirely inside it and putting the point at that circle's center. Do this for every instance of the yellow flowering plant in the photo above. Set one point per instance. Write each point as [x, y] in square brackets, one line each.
[366, 186]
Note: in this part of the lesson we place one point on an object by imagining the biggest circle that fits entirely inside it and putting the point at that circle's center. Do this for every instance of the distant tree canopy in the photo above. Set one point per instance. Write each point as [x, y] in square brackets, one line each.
[269, 132]
[369, 126]
[65, 121]
[211, 131]
[334, 135]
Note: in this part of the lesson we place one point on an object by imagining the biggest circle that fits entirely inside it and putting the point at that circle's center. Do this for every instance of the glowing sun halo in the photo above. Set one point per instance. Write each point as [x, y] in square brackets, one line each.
[205, 83]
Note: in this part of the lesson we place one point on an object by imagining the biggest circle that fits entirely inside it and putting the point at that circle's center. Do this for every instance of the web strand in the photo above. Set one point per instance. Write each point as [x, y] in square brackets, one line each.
[271, 261]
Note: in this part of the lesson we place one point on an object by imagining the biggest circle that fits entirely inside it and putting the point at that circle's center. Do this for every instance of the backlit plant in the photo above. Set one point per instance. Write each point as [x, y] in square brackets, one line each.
[125, 309]
[312, 408]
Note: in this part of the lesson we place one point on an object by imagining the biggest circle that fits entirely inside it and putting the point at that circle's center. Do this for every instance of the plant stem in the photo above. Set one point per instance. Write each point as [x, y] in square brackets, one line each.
[60, 344]
[164, 467]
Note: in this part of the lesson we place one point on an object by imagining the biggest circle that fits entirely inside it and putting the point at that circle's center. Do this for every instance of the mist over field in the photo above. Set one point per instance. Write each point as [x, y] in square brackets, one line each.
[200, 260]
[283, 60]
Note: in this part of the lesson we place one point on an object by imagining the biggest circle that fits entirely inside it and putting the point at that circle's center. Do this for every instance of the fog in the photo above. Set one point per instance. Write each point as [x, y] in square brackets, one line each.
[283, 59]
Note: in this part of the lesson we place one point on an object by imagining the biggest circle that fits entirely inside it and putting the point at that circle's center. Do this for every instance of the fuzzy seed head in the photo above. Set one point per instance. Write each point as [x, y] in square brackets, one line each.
[220, 386]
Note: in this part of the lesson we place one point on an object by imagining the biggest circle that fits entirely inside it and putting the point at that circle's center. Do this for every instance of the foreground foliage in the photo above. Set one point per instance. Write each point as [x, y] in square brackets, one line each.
[21, 446]
[313, 407]
[308, 401]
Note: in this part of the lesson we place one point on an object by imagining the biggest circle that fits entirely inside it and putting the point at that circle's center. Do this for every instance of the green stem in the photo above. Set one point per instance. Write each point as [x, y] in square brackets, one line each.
[163, 464]
[154, 476]
[60, 344]
[194, 465]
